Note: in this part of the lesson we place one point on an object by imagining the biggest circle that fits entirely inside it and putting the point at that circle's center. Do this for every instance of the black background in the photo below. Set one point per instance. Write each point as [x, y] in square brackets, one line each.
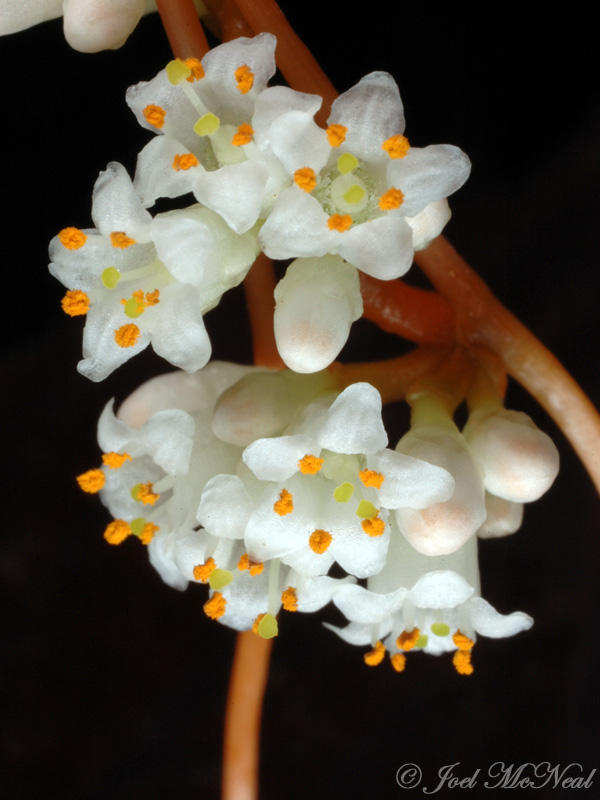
[115, 683]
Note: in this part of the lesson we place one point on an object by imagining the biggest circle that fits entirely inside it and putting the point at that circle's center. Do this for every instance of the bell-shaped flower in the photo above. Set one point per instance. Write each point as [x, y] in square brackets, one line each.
[519, 462]
[142, 280]
[423, 603]
[360, 189]
[323, 492]
[207, 114]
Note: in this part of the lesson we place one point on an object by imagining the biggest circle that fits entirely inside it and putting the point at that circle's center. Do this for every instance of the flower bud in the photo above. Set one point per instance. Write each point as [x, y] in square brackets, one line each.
[503, 517]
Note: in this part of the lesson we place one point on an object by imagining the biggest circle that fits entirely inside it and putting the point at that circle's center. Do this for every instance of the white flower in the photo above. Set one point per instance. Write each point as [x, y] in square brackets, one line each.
[423, 603]
[322, 493]
[144, 280]
[360, 189]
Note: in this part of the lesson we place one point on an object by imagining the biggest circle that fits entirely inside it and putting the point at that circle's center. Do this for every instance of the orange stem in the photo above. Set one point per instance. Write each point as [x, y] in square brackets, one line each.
[259, 285]
[418, 315]
[182, 26]
[230, 22]
[483, 321]
[242, 720]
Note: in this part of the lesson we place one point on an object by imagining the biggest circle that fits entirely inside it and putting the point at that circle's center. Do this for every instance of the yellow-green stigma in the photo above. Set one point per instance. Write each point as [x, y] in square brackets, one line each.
[177, 71]
[207, 124]
[421, 642]
[440, 629]
[110, 277]
[354, 194]
[366, 510]
[346, 163]
[343, 492]
[133, 308]
[267, 628]
[219, 578]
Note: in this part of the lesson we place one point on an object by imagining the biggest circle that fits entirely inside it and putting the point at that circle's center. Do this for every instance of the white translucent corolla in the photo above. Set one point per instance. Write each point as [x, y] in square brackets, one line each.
[323, 492]
[142, 280]
[360, 190]
[208, 114]
[423, 603]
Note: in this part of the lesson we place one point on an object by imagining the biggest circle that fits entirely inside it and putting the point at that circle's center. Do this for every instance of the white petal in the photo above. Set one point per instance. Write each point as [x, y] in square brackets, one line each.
[154, 174]
[429, 223]
[235, 192]
[276, 459]
[275, 101]
[354, 423]
[178, 332]
[503, 517]
[365, 607]
[116, 207]
[314, 593]
[161, 552]
[356, 633]
[440, 589]
[411, 482]
[488, 622]
[113, 434]
[224, 507]
[167, 437]
[296, 227]
[316, 303]
[298, 142]
[381, 247]
[372, 111]
[93, 25]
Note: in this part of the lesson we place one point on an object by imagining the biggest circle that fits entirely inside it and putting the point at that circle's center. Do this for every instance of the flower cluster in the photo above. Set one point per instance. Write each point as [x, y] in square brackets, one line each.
[265, 177]
[262, 519]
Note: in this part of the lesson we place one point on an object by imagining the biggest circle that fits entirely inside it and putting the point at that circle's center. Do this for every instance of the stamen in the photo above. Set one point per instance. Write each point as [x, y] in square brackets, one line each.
[127, 335]
[91, 481]
[244, 78]
[152, 298]
[143, 529]
[215, 607]
[310, 465]
[121, 240]
[396, 146]
[117, 531]
[373, 527]
[336, 134]
[319, 541]
[285, 504]
[343, 492]
[220, 578]
[202, 571]
[207, 124]
[393, 198]
[72, 238]
[155, 115]
[110, 277]
[370, 478]
[177, 71]
[115, 460]
[289, 599]
[75, 303]
[142, 492]
[244, 135]
[354, 194]
[253, 567]
[398, 661]
[440, 629]
[347, 163]
[184, 161]
[408, 639]
[462, 662]
[375, 656]
[196, 69]
[462, 642]
[305, 178]
[265, 626]
[366, 510]
[339, 222]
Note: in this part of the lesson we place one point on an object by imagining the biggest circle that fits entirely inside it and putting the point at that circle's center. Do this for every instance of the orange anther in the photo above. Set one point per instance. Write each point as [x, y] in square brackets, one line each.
[336, 134]
[462, 642]
[285, 504]
[117, 531]
[202, 571]
[91, 481]
[127, 335]
[115, 460]
[393, 198]
[375, 656]
[373, 527]
[155, 115]
[407, 639]
[197, 70]
[310, 465]
[244, 78]
[145, 495]
[289, 599]
[398, 661]
[371, 478]
[244, 135]
[396, 146]
[305, 178]
[319, 541]
[215, 607]
[121, 240]
[462, 662]
[75, 303]
[152, 298]
[253, 567]
[72, 238]
[184, 161]
[256, 623]
[147, 533]
[339, 222]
